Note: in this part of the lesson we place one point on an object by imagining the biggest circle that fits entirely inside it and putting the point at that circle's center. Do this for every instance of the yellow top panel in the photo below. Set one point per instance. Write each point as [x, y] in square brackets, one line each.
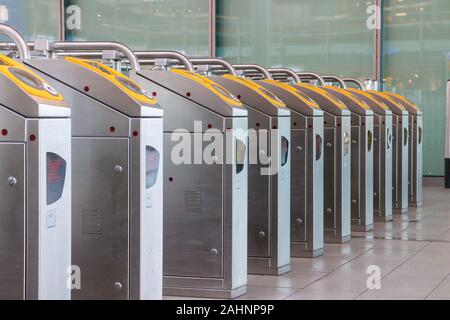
[338, 103]
[27, 80]
[412, 105]
[294, 91]
[370, 97]
[269, 96]
[214, 87]
[385, 96]
[362, 104]
[128, 86]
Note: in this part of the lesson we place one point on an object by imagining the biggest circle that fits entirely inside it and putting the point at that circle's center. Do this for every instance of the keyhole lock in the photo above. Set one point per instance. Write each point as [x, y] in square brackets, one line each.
[214, 251]
[299, 221]
[118, 169]
[299, 149]
[261, 234]
[329, 145]
[12, 181]
[329, 210]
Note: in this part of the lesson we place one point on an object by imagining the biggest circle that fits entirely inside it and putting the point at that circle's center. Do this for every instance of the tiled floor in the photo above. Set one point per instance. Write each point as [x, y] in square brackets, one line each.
[413, 253]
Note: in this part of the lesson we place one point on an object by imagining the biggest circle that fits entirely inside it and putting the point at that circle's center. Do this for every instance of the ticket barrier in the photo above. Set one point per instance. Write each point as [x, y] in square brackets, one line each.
[400, 126]
[269, 175]
[382, 156]
[35, 183]
[362, 122]
[337, 163]
[415, 173]
[205, 187]
[117, 174]
[306, 166]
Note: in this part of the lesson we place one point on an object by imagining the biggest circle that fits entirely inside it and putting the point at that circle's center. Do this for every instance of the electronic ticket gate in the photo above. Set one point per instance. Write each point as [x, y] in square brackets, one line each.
[337, 163]
[35, 186]
[117, 179]
[205, 184]
[400, 125]
[269, 176]
[306, 169]
[415, 174]
[382, 156]
[362, 122]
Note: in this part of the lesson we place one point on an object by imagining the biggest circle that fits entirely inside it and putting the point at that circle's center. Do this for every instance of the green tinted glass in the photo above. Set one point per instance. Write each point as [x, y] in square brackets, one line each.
[325, 36]
[32, 18]
[181, 25]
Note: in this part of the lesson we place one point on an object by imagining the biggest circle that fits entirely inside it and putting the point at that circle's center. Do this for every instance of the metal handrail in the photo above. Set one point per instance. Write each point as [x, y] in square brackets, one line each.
[166, 55]
[335, 79]
[254, 67]
[312, 75]
[214, 62]
[285, 71]
[355, 81]
[98, 45]
[22, 46]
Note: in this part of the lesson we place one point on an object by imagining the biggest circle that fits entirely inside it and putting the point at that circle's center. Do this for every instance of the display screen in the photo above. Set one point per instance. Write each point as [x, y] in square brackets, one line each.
[240, 155]
[151, 166]
[389, 138]
[56, 175]
[319, 144]
[284, 151]
[369, 140]
[420, 135]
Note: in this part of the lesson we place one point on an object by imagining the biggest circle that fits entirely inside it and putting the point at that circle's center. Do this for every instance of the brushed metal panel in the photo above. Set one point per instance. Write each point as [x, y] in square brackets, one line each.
[299, 181]
[259, 206]
[330, 160]
[193, 216]
[12, 221]
[356, 175]
[100, 217]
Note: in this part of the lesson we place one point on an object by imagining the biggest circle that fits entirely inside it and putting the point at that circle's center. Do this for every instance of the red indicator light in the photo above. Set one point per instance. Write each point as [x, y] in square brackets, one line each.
[170, 179]
[112, 129]
[4, 132]
[295, 124]
[154, 93]
[363, 123]
[188, 94]
[209, 126]
[274, 127]
[238, 96]
[32, 137]
[86, 89]
[257, 124]
[339, 124]
[135, 133]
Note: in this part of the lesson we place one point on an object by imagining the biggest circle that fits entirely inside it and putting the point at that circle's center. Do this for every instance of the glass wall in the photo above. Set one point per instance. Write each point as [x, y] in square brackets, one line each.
[181, 25]
[326, 36]
[32, 18]
[416, 63]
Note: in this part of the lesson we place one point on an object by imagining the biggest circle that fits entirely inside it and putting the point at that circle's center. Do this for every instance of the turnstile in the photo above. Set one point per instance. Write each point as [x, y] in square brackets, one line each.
[268, 192]
[205, 200]
[306, 169]
[337, 163]
[35, 184]
[400, 126]
[415, 173]
[382, 156]
[362, 123]
[117, 179]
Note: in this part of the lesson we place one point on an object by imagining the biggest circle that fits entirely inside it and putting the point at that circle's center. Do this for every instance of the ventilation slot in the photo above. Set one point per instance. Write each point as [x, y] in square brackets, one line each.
[92, 223]
[193, 202]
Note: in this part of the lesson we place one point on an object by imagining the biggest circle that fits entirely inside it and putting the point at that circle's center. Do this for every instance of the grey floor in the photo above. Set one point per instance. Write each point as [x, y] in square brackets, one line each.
[412, 252]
